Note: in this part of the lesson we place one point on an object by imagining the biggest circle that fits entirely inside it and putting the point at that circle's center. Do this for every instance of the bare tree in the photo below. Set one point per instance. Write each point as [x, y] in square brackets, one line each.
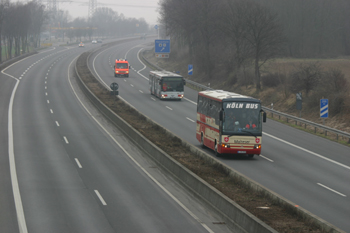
[264, 35]
[3, 7]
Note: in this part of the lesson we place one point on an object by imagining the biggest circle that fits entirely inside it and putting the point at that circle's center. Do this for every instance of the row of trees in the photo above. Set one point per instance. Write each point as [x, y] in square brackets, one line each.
[232, 35]
[21, 25]
[104, 23]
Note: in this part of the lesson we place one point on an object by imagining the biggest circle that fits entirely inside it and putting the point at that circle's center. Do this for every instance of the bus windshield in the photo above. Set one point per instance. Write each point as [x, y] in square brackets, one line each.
[172, 84]
[242, 118]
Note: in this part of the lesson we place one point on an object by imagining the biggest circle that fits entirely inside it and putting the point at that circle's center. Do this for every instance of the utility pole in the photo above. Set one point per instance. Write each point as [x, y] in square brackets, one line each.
[92, 8]
[52, 6]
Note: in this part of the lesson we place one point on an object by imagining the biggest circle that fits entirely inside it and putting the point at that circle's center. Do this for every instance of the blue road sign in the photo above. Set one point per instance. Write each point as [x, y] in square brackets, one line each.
[324, 108]
[162, 46]
[190, 69]
[156, 27]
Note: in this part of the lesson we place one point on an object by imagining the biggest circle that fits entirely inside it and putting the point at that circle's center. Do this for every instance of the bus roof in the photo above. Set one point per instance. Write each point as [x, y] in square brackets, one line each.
[226, 96]
[164, 73]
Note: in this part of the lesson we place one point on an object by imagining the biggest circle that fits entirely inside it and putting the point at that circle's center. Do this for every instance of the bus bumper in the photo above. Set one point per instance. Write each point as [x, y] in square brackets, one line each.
[227, 149]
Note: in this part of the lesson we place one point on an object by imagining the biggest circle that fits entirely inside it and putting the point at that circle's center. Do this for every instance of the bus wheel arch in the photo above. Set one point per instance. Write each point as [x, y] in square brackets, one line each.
[217, 154]
[202, 140]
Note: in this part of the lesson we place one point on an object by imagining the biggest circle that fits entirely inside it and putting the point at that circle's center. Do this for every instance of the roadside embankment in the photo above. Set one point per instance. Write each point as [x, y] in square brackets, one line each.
[237, 217]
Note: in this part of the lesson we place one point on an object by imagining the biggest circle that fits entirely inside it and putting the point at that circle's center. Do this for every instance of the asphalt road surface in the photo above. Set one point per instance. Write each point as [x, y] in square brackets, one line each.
[310, 171]
[64, 168]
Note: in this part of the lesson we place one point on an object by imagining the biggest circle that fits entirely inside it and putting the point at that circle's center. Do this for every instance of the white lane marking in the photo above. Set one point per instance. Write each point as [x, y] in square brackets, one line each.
[78, 163]
[48, 101]
[168, 108]
[144, 66]
[153, 99]
[51, 110]
[45, 87]
[140, 91]
[46, 93]
[93, 65]
[190, 119]
[190, 101]
[57, 123]
[148, 174]
[100, 197]
[22, 225]
[131, 85]
[65, 139]
[324, 186]
[310, 152]
[266, 158]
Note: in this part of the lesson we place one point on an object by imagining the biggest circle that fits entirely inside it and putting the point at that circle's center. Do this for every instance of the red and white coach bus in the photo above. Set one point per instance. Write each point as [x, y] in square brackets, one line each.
[229, 123]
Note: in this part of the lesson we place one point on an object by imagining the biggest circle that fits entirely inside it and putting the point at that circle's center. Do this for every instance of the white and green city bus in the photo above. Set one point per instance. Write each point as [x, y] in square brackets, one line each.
[166, 85]
[229, 123]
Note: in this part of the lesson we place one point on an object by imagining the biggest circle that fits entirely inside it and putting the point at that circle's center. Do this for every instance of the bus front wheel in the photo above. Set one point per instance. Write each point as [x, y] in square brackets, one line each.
[202, 141]
[217, 154]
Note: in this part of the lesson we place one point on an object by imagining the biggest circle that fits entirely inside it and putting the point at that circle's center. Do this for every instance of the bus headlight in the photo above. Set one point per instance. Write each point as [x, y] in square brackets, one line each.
[225, 145]
[257, 146]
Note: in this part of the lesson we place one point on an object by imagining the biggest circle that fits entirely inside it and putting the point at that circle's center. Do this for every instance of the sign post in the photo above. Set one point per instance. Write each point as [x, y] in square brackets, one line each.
[324, 108]
[162, 48]
[299, 102]
[190, 69]
[114, 86]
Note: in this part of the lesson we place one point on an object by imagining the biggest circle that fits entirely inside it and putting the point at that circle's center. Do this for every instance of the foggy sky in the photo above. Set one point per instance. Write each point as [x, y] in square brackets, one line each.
[146, 9]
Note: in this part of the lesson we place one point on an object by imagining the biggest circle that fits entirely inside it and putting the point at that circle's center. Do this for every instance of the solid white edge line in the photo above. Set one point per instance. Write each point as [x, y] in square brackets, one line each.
[100, 197]
[324, 186]
[310, 152]
[22, 225]
[148, 174]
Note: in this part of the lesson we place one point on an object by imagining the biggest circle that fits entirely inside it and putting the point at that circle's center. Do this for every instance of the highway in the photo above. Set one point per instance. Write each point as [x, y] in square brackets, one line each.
[64, 168]
[312, 172]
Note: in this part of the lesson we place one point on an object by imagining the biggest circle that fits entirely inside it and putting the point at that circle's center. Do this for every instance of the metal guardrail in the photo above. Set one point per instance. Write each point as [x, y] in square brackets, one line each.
[288, 117]
[306, 122]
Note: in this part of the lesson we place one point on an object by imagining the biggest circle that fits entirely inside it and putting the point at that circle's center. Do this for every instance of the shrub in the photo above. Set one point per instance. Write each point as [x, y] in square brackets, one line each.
[271, 80]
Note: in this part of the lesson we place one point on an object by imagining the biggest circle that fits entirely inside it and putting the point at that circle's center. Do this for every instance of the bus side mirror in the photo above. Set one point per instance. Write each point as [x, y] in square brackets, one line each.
[264, 116]
[129, 67]
[221, 115]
